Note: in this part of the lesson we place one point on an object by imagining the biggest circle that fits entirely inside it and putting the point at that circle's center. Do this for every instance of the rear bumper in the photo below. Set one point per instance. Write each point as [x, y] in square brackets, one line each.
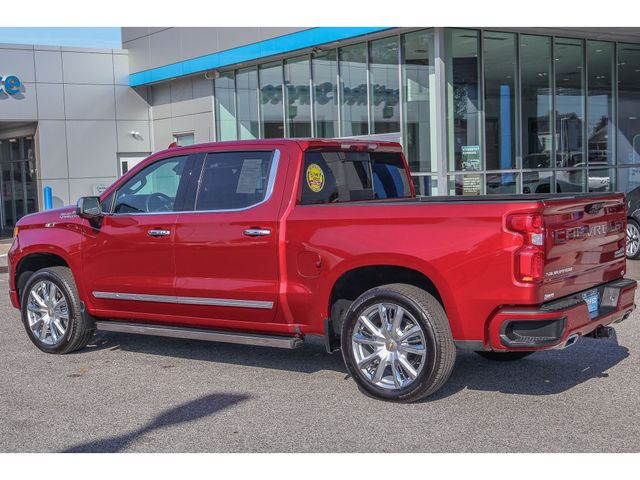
[552, 324]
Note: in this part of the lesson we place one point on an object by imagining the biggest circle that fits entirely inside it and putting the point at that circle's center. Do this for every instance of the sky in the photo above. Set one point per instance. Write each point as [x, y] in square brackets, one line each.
[96, 37]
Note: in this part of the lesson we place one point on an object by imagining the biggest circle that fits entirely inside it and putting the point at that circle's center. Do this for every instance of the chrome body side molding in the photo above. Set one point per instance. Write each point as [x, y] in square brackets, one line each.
[216, 302]
[224, 302]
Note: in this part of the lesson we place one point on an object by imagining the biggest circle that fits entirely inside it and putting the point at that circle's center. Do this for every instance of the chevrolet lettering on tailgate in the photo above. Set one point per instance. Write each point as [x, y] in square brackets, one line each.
[587, 231]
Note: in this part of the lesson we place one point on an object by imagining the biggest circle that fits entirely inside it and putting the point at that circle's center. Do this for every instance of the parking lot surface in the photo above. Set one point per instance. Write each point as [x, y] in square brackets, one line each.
[149, 394]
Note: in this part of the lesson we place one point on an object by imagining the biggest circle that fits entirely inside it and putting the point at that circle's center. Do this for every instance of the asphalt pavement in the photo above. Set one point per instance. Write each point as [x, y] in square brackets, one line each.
[128, 393]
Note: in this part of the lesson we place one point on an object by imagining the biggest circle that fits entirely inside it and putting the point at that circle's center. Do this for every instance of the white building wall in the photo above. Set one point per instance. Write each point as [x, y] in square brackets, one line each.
[152, 47]
[84, 111]
[182, 106]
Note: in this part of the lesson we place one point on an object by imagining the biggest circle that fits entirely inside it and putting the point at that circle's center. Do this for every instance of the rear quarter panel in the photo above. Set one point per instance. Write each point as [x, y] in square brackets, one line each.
[463, 248]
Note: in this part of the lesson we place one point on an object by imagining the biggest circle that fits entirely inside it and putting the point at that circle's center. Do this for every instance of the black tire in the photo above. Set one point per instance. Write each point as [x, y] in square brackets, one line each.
[431, 318]
[503, 356]
[634, 224]
[80, 326]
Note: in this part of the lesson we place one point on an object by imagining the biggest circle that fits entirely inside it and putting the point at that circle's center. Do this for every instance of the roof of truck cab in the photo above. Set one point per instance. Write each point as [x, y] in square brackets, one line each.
[303, 143]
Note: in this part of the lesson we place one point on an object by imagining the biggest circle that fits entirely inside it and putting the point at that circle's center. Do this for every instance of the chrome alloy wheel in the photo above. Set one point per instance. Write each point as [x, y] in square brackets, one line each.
[389, 346]
[633, 239]
[47, 312]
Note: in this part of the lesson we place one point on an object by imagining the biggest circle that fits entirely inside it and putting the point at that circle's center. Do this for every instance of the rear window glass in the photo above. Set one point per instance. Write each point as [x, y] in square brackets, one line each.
[336, 177]
[233, 180]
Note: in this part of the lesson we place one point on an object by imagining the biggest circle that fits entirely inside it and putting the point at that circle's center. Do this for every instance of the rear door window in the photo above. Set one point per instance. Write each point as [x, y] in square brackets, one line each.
[234, 180]
[338, 177]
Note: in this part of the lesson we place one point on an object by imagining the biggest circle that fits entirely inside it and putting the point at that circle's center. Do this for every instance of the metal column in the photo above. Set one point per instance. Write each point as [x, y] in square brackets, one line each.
[441, 110]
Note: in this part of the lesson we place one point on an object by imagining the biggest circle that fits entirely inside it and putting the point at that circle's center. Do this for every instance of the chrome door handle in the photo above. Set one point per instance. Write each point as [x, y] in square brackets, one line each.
[257, 232]
[158, 232]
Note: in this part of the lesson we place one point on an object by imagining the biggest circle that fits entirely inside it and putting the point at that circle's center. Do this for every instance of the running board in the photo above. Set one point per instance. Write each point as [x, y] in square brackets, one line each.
[278, 341]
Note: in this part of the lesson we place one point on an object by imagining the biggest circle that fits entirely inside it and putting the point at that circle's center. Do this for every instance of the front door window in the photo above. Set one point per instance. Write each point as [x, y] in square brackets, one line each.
[152, 190]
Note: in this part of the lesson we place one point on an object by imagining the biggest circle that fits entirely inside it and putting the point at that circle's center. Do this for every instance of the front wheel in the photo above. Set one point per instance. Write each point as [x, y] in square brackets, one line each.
[397, 344]
[51, 312]
[633, 239]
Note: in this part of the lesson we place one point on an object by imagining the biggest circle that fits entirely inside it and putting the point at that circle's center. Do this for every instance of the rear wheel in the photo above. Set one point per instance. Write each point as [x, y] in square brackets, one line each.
[503, 356]
[633, 239]
[51, 312]
[397, 344]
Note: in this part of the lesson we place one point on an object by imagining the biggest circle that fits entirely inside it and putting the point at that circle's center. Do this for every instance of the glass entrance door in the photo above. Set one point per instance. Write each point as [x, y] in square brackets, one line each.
[18, 188]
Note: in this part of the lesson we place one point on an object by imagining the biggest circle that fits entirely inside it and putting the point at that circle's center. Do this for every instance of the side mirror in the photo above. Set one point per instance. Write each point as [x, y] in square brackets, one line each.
[89, 208]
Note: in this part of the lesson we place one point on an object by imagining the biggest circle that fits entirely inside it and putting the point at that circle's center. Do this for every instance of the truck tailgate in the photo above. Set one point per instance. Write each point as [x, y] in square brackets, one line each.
[585, 243]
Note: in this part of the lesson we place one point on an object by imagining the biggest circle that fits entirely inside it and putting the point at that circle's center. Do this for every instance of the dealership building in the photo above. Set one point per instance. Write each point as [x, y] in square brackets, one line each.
[478, 111]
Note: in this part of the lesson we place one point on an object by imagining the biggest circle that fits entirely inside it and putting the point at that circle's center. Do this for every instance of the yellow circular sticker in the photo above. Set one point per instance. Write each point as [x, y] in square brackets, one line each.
[315, 178]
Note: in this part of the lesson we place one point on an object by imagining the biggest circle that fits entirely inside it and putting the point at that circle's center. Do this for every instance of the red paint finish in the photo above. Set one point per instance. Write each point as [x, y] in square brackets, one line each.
[468, 249]
[592, 244]
[121, 256]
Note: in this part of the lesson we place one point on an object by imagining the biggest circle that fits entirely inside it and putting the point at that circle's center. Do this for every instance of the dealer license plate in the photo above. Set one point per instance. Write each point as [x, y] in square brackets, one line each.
[592, 299]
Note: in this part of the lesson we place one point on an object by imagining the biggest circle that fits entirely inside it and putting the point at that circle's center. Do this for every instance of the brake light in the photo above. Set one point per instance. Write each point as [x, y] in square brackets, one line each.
[529, 259]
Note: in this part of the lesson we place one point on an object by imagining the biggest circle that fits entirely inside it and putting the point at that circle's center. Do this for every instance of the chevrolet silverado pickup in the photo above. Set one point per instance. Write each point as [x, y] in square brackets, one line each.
[265, 242]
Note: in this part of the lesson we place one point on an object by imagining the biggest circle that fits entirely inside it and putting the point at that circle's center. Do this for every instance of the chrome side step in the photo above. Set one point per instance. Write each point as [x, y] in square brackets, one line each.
[278, 341]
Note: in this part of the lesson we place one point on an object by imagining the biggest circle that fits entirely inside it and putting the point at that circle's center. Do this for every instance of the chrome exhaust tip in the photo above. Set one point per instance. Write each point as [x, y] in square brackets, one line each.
[570, 341]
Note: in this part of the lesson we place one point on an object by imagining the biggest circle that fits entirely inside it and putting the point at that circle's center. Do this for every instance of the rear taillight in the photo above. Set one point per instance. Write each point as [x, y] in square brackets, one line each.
[529, 259]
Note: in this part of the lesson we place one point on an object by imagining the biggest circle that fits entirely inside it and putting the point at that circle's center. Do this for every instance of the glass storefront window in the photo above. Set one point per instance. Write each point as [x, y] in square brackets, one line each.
[271, 111]
[628, 179]
[463, 97]
[298, 98]
[385, 85]
[600, 179]
[225, 97]
[600, 64]
[325, 74]
[536, 90]
[569, 103]
[17, 181]
[468, 184]
[353, 90]
[425, 185]
[537, 182]
[500, 101]
[523, 146]
[247, 97]
[418, 83]
[502, 183]
[570, 180]
[628, 103]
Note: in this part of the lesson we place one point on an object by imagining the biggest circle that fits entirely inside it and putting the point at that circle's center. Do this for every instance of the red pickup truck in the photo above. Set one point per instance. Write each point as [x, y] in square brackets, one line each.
[265, 242]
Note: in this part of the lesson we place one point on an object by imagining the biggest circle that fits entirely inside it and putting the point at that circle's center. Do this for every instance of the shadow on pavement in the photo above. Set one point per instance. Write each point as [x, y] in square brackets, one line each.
[311, 358]
[187, 412]
[543, 373]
